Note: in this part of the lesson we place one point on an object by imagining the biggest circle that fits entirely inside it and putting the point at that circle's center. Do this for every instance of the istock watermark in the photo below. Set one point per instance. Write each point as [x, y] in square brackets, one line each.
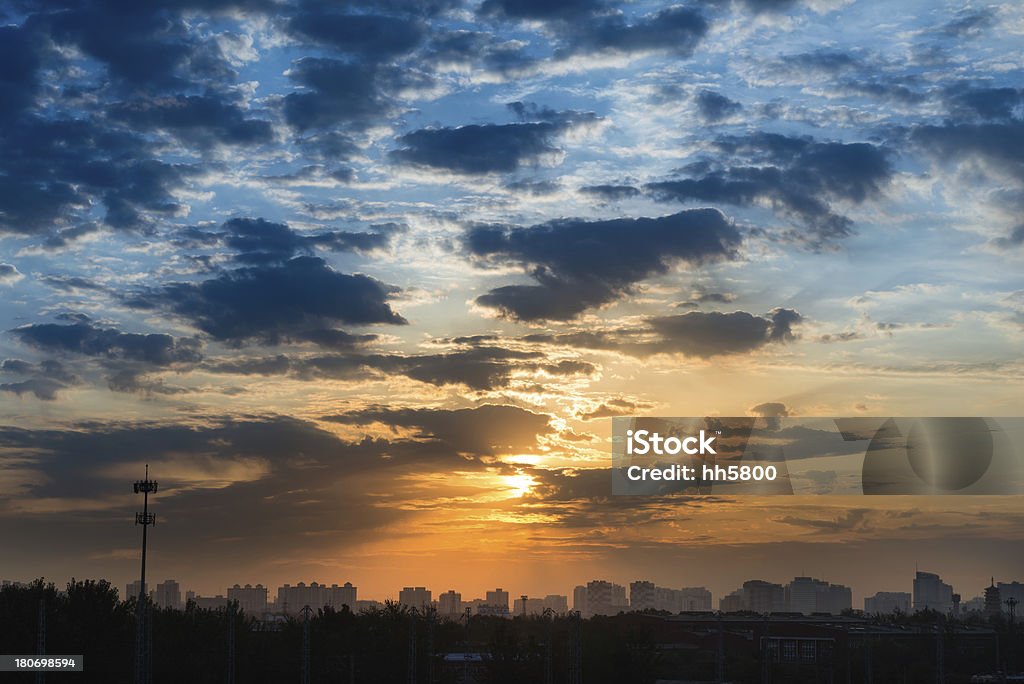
[818, 455]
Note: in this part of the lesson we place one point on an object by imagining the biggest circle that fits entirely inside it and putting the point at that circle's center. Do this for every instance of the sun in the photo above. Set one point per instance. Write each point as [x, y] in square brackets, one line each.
[517, 485]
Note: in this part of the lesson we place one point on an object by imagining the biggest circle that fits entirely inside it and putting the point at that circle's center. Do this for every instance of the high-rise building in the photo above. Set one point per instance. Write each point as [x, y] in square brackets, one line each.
[450, 603]
[605, 598]
[498, 600]
[344, 595]
[579, 600]
[643, 596]
[763, 597]
[886, 602]
[1011, 591]
[417, 598]
[835, 599]
[251, 600]
[168, 595]
[210, 602]
[931, 593]
[557, 604]
[132, 589]
[528, 606]
[731, 603]
[802, 594]
[695, 599]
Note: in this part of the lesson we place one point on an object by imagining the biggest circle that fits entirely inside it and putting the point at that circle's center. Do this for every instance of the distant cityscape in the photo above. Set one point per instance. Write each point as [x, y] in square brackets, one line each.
[802, 595]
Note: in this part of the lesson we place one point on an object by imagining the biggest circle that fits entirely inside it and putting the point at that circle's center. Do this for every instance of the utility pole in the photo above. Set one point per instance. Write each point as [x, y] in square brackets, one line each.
[575, 648]
[412, 647]
[306, 611]
[231, 642]
[720, 659]
[143, 635]
[549, 674]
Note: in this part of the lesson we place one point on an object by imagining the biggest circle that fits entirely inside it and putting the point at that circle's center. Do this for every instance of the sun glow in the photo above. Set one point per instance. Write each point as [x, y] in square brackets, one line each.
[517, 485]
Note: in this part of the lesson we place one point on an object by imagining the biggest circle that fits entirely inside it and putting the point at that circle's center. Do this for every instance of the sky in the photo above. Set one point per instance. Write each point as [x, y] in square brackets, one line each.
[364, 283]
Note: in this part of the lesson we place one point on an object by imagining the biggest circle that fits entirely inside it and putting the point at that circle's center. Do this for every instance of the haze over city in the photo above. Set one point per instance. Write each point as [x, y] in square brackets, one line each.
[363, 283]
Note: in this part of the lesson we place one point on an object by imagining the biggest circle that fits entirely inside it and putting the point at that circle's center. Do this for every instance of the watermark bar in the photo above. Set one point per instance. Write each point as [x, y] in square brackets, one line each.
[41, 663]
[817, 455]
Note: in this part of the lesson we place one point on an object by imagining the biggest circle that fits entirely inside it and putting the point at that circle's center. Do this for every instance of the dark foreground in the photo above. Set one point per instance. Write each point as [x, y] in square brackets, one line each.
[397, 645]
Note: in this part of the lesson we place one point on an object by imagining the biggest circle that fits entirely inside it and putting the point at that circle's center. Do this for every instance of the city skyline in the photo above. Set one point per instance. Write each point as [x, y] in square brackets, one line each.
[365, 283]
[346, 592]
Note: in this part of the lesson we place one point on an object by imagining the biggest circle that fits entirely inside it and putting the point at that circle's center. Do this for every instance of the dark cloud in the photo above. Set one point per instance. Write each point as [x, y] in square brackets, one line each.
[969, 22]
[343, 92]
[714, 333]
[275, 303]
[534, 188]
[580, 264]
[999, 144]
[144, 47]
[481, 369]
[369, 37]
[43, 380]
[291, 478]
[695, 333]
[486, 430]
[489, 148]
[1014, 239]
[9, 274]
[71, 283]
[133, 381]
[799, 176]
[542, 9]
[611, 193]
[822, 60]
[42, 388]
[259, 241]
[994, 104]
[714, 107]
[676, 30]
[478, 49]
[52, 170]
[614, 407]
[89, 339]
[19, 70]
[200, 121]
[774, 409]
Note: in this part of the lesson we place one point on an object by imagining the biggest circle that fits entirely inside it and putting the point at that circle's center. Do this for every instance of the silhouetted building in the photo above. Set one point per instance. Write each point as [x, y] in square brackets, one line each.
[292, 599]
[251, 600]
[210, 602]
[415, 597]
[132, 589]
[886, 602]
[497, 600]
[642, 596]
[931, 593]
[168, 595]
[993, 599]
[645, 596]
[557, 604]
[450, 603]
[763, 597]
[345, 595]
[1011, 590]
[731, 603]
[579, 600]
[694, 599]
[605, 598]
[528, 606]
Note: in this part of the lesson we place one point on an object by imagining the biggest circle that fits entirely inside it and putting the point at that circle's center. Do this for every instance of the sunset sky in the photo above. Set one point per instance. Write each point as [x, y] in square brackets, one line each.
[365, 282]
